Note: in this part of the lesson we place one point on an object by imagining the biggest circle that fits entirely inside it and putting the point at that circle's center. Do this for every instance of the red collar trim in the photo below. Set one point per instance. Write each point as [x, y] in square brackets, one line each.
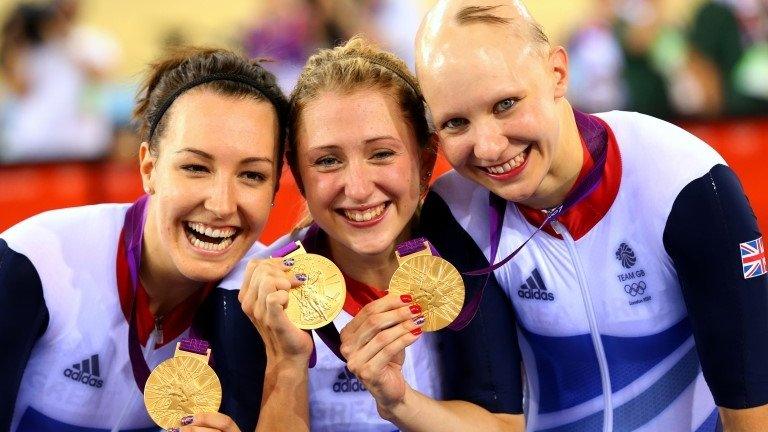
[359, 295]
[582, 217]
[176, 322]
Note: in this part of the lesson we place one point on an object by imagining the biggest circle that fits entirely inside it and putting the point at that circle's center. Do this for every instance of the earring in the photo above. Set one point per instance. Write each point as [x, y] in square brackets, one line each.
[149, 190]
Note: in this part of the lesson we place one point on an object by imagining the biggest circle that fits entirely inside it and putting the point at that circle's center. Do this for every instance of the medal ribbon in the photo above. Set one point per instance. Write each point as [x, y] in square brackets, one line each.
[595, 137]
[129, 252]
[328, 333]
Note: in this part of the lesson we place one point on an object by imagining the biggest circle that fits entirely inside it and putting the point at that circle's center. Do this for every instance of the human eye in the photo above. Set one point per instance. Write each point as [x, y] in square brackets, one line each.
[504, 105]
[327, 162]
[254, 176]
[194, 168]
[383, 154]
[455, 123]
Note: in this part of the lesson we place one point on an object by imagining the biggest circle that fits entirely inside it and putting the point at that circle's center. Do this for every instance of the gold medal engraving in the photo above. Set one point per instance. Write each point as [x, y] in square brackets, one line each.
[435, 285]
[318, 300]
[181, 386]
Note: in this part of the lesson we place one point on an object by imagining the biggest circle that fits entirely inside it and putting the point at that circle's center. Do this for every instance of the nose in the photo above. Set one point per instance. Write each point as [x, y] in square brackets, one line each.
[358, 182]
[222, 198]
[490, 141]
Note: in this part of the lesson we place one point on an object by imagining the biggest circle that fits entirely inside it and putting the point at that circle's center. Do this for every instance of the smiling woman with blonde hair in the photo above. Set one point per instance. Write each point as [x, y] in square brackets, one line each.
[359, 147]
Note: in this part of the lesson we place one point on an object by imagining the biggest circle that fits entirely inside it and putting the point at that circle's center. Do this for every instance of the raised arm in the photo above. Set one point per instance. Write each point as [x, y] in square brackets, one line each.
[264, 296]
[374, 343]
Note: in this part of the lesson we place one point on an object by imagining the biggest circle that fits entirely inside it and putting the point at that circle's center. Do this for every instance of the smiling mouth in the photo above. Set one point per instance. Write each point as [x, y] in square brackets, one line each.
[210, 238]
[510, 165]
[366, 215]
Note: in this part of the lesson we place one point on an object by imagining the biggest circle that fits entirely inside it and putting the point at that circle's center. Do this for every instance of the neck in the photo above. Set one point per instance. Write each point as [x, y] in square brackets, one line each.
[566, 163]
[373, 270]
[165, 286]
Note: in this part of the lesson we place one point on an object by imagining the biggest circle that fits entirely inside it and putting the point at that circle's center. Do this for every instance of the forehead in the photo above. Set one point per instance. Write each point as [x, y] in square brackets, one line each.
[477, 61]
[206, 119]
[334, 118]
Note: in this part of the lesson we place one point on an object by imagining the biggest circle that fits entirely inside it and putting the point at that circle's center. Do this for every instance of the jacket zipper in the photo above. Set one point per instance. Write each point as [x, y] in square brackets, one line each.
[158, 331]
[597, 342]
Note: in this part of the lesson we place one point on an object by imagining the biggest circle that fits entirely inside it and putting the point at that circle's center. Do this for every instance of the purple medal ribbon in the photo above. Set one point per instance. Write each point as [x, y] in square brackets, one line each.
[197, 346]
[133, 230]
[596, 138]
[328, 333]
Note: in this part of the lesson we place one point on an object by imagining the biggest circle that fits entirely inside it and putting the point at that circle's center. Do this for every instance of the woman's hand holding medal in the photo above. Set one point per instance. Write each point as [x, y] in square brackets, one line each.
[374, 345]
[264, 298]
[207, 422]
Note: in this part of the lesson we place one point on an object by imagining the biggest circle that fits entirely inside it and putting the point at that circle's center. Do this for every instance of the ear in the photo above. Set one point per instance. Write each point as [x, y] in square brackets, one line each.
[147, 164]
[558, 60]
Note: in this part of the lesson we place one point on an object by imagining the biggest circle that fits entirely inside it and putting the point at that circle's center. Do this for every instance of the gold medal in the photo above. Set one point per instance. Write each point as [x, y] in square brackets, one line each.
[320, 299]
[434, 284]
[181, 386]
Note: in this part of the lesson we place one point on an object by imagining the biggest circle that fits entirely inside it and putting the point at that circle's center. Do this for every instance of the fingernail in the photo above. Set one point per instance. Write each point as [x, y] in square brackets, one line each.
[173, 430]
[419, 320]
[406, 298]
[301, 277]
[187, 420]
[416, 331]
[415, 308]
[288, 262]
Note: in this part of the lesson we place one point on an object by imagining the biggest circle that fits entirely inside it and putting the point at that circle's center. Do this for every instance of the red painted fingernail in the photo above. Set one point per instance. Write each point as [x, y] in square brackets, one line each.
[406, 298]
[416, 331]
[415, 308]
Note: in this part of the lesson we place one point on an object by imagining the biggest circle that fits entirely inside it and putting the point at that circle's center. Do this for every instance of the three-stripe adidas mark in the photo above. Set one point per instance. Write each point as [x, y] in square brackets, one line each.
[86, 372]
[534, 288]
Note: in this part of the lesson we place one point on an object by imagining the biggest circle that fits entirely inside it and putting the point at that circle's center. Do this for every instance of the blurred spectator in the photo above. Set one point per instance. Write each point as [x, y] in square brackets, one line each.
[732, 36]
[395, 24]
[52, 65]
[639, 26]
[287, 31]
[597, 63]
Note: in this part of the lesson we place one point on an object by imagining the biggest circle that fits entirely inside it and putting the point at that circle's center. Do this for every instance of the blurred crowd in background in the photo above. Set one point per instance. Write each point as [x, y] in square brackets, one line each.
[62, 99]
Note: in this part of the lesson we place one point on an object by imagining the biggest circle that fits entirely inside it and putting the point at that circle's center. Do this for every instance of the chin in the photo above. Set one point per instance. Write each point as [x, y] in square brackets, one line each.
[207, 271]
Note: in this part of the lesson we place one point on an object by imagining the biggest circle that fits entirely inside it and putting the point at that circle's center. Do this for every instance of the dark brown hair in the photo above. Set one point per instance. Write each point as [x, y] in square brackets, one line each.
[184, 67]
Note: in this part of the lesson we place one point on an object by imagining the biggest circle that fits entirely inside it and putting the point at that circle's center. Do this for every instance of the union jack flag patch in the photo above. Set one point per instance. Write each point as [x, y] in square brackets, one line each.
[753, 258]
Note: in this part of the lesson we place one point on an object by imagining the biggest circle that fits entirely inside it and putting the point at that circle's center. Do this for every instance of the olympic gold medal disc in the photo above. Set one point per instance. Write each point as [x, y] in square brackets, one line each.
[435, 285]
[181, 386]
[317, 301]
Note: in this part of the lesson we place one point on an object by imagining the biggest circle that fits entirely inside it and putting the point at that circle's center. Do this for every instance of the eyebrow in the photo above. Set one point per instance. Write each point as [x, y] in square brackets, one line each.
[204, 155]
[366, 141]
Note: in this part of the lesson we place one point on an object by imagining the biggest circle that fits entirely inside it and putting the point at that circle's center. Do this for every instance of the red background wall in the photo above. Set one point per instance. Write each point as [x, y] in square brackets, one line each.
[26, 190]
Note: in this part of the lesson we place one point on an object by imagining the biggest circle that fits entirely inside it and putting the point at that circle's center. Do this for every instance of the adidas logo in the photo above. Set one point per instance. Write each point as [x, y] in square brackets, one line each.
[86, 372]
[347, 382]
[534, 288]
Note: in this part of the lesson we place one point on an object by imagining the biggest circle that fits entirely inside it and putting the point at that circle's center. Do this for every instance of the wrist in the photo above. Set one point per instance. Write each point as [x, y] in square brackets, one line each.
[397, 410]
[288, 367]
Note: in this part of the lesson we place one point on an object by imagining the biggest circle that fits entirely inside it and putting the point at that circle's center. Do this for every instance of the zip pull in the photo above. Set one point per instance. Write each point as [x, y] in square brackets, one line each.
[556, 227]
[159, 331]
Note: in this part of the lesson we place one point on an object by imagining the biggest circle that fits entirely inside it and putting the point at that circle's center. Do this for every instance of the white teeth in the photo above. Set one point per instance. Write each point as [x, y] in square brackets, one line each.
[211, 232]
[508, 166]
[364, 216]
[209, 246]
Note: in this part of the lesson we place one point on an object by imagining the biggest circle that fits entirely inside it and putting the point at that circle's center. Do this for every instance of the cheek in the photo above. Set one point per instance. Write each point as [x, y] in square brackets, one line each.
[320, 190]
[402, 179]
[456, 150]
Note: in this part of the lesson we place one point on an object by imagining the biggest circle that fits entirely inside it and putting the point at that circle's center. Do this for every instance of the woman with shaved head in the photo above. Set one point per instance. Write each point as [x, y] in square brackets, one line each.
[626, 245]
